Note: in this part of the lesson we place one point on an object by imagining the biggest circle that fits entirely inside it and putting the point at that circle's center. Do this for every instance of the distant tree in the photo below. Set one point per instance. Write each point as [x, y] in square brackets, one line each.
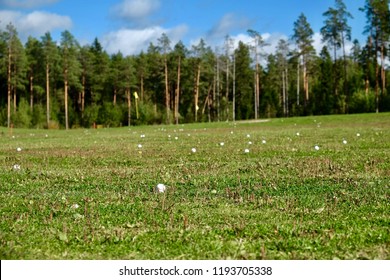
[165, 48]
[128, 77]
[142, 73]
[19, 69]
[15, 61]
[272, 85]
[34, 57]
[324, 96]
[228, 45]
[86, 60]
[70, 67]
[336, 32]
[179, 54]
[378, 30]
[100, 67]
[50, 58]
[198, 53]
[258, 44]
[244, 80]
[303, 37]
[155, 80]
[282, 53]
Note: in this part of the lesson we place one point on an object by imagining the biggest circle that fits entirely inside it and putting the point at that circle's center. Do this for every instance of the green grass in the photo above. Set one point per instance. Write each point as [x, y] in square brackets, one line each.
[282, 200]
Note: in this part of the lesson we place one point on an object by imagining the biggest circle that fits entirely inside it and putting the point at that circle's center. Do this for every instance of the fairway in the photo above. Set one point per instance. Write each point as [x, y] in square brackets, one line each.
[294, 188]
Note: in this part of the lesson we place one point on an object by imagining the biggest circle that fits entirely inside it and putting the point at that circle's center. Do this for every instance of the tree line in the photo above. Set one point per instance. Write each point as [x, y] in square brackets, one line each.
[50, 84]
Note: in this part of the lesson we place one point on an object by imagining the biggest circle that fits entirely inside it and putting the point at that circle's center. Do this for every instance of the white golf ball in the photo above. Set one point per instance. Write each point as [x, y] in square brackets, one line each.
[18, 149]
[246, 151]
[139, 146]
[358, 134]
[345, 142]
[222, 143]
[16, 167]
[316, 147]
[160, 188]
[264, 142]
[193, 150]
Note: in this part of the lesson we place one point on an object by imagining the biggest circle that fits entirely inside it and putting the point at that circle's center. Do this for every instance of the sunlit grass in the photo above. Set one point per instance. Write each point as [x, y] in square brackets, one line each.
[95, 194]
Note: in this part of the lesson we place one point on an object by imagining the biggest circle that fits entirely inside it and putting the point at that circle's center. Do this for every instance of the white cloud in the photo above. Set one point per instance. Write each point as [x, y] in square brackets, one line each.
[34, 23]
[317, 42]
[136, 11]
[133, 41]
[270, 39]
[26, 3]
[227, 25]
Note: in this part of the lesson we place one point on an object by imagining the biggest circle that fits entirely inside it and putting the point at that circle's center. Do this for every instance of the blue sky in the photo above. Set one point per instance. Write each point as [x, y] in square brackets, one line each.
[129, 25]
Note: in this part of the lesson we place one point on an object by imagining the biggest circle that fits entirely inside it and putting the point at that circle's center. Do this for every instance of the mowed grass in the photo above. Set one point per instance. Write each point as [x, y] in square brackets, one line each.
[90, 194]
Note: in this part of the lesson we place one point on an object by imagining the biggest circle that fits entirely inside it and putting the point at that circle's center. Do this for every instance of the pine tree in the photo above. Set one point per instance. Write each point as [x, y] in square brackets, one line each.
[34, 57]
[70, 67]
[303, 37]
[50, 58]
[244, 80]
[165, 48]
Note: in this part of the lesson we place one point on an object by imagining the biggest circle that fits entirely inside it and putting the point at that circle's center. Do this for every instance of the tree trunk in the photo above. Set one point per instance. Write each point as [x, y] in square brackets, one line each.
[14, 99]
[257, 91]
[298, 82]
[234, 88]
[142, 87]
[287, 111]
[114, 100]
[82, 95]
[218, 90]
[9, 89]
[31, 93]
[66, 101]
[376, 73]
[346, 90]
[177, 96]
[167, 96]
[383, 72]
[128, 107]
[227, 88]
[197, 92]
[284, 93]
[305, 81]
[47, 95]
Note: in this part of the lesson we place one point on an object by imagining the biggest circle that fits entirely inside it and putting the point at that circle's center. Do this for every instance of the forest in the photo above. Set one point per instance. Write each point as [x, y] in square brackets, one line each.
[49, 84]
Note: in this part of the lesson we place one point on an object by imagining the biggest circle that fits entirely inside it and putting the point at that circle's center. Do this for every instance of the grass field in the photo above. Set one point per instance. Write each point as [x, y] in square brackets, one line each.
[90, 194]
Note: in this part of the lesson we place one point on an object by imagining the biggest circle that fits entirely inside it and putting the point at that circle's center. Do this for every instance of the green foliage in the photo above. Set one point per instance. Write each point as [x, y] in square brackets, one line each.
[110, 115]
[91, 115]
[23, 115]
[147, 114]
[362, 102]
[38, 118]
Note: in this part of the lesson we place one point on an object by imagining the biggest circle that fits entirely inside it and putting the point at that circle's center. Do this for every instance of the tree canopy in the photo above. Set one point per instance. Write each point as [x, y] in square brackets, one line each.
[62, 84]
